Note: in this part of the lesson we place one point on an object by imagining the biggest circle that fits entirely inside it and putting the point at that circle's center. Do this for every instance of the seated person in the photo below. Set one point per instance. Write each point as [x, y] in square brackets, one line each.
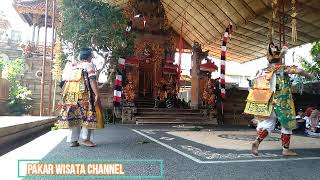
[300, 115]
[314, 120]
[301, 122]
[307, 116]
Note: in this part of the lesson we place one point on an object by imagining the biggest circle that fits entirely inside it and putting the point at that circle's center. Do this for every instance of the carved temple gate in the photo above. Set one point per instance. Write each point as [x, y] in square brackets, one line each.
[154, 48]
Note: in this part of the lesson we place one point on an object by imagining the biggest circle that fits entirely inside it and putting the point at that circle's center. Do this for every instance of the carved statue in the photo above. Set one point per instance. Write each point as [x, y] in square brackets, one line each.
[171, 87]
[201, 54]
[130, 90]
[166, 90]
[27, 49]
[208, 96]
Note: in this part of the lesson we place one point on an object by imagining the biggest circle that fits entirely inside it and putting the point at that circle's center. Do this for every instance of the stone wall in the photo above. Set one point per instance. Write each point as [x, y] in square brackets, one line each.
[234, 105]
[33, 82]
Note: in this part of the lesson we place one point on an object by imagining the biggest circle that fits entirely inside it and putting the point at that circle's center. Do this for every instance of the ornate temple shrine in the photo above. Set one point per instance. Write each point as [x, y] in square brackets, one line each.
[152, 75]
[155, 47]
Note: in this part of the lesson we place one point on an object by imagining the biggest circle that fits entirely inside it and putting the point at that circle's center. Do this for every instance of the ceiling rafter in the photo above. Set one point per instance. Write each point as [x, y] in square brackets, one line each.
[210, 14]
[212, 1]
[204, 38]
[252, 12]
[218, 45]
[298, 3]
[287, 28]
[244, 19]
[219, 32]
[216, 19]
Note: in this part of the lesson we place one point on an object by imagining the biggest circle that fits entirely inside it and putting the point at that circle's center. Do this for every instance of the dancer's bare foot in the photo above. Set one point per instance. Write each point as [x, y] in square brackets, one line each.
[287, 152]
[88, 143]
[255, 146]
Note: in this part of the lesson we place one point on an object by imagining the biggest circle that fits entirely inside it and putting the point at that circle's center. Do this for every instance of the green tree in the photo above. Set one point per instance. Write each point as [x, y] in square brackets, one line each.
[313, 66]
[2, 64]
[95, 24]
[19, 95]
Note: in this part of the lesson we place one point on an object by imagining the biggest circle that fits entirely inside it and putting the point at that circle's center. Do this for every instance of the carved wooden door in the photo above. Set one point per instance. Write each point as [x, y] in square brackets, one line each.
[146, 82]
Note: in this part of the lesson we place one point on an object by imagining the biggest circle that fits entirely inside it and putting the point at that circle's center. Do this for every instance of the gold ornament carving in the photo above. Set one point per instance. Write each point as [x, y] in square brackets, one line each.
[130, 90]
[149, 50]
[208, 96]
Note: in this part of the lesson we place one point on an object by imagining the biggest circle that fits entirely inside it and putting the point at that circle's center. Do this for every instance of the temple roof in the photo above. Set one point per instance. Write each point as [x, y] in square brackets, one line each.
[33, 11]
[206, 21]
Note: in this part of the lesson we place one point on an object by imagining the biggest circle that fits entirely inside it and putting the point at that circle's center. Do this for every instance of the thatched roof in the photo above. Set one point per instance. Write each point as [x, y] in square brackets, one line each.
[206, 20]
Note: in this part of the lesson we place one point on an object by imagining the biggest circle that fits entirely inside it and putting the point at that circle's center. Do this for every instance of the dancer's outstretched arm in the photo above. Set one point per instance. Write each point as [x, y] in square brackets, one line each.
[295, 70]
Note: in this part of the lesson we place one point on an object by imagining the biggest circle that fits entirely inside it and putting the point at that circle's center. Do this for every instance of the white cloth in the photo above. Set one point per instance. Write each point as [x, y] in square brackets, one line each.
[270, 123]
[76, 133]
[308, 122]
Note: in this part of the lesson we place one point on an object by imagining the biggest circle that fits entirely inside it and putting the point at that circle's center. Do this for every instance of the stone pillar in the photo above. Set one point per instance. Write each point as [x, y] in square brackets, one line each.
[38, 32]
[195, 65]
[33, 32]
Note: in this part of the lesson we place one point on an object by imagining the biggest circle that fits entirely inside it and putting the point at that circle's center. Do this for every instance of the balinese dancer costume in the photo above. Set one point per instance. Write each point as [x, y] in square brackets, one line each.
[78, 112]
[270, 99]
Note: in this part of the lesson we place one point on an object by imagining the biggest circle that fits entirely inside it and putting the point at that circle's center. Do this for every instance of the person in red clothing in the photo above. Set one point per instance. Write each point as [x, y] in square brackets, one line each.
[308, 112]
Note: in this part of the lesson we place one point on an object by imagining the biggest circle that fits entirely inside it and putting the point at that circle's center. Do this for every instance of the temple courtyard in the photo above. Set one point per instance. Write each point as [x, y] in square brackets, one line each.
[175, 152]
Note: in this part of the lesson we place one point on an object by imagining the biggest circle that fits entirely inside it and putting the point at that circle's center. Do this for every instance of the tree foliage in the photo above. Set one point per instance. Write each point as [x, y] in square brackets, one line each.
[95, 24]
[314, 66]
[19, 95]
[2, 64]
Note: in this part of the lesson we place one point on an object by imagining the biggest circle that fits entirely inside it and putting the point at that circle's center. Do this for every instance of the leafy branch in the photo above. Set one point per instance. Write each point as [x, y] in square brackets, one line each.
[313, 66]
[95, 24]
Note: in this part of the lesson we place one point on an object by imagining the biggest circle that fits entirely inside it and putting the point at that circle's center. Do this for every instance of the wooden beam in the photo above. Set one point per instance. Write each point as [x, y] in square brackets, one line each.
[311, 8]
[219, 22]
[252, 12]
[305, 35]
[244, 19]
[263, 15]
[200, 34]
[223, 12]
[218, 45]
[299, 19]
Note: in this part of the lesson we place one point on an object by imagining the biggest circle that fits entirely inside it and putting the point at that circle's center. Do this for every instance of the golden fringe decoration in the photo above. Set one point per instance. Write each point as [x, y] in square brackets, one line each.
[274, 5]
[271, 30]
[294, 33]
[57, 61]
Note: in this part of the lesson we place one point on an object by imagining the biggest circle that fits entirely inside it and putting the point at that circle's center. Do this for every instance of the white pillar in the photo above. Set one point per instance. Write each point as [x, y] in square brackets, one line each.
[33, 32]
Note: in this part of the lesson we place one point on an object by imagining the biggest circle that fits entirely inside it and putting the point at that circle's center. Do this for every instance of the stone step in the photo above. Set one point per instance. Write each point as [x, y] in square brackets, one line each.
[16, 129]
[166, 121]
[180, 117]
[187, 113]
[149, 102]
[144, 99]
[145, 103]
[168, 109]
